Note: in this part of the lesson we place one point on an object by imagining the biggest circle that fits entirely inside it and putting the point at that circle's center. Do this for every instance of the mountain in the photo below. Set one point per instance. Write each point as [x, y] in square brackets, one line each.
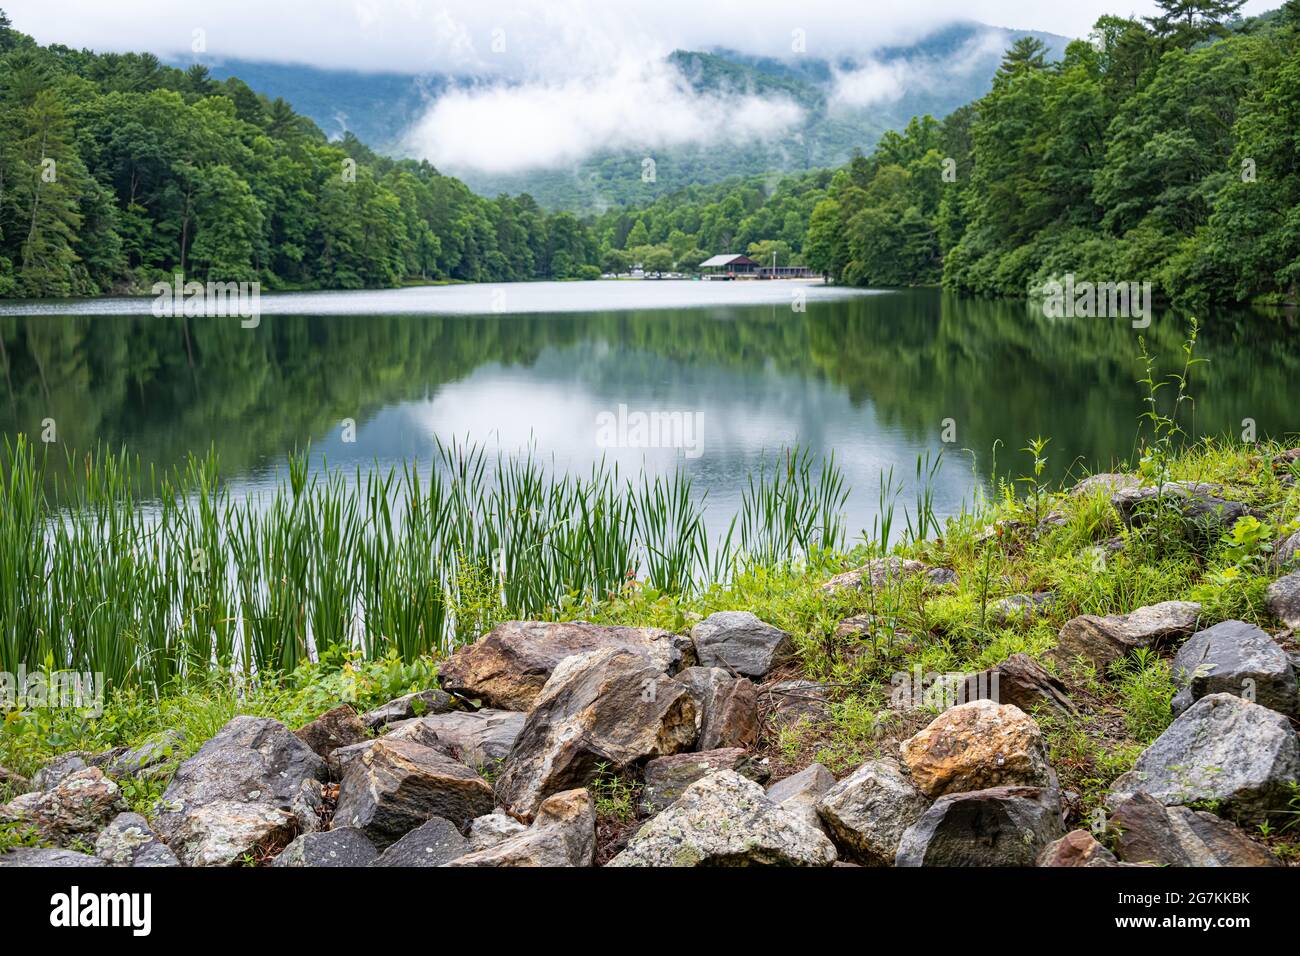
[846, 104]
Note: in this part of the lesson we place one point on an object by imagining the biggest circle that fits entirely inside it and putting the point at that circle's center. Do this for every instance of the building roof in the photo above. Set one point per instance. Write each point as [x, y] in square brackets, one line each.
[728, 260]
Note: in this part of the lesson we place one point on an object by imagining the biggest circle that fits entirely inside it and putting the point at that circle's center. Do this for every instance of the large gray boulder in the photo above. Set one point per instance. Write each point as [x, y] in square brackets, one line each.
[1234, 658]
[1002, 826]
[1238, 756]
[1283, 599]
[396, 785]
[432, 844]
[607, 710]
[478, 738]
[726, 707]
[1101, 641]
[250, 785]
[129, 841]
[74, 809]
[508, 667]
[563, 833]
[1149, 832]
[666, 778]
[740, 643]
[868, 811]
[724, 819]
[343, 847]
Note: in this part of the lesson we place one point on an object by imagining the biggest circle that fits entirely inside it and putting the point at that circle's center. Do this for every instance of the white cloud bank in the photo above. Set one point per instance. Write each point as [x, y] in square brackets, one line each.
[510, 128]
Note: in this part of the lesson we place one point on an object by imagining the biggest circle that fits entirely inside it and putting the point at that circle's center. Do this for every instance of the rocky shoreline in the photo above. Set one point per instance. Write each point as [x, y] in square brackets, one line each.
[503, 763]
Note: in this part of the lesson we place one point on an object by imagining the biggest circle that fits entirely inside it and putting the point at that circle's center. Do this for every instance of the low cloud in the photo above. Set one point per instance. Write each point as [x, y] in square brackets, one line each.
[875, 82]
[540, 124]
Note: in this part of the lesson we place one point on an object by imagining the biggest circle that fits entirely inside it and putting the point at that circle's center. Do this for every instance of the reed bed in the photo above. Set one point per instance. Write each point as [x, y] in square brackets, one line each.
[146, 576]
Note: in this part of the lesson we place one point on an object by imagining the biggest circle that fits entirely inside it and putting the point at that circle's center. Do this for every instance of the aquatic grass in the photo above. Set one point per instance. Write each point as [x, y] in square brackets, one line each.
[156, 577]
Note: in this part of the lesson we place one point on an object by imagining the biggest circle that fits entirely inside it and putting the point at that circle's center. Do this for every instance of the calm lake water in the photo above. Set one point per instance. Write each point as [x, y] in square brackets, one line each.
[871, 376]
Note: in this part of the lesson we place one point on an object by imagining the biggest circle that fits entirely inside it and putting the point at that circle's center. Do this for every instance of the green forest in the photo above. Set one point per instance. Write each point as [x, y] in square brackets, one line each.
[1165, 149]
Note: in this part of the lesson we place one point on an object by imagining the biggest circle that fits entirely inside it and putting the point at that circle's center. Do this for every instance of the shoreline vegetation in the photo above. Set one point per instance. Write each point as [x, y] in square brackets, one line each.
[1159, 152]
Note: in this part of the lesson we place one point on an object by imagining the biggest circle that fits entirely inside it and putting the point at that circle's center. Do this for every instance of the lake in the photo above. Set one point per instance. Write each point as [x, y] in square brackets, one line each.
[876, 377]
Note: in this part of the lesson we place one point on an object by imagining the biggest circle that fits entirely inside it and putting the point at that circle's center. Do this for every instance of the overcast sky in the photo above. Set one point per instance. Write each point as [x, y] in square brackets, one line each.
[558, 80]
[539, 36]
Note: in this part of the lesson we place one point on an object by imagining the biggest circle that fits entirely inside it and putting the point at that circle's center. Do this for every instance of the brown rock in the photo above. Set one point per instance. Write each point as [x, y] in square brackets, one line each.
[1077, 848]
[977, 746]
[726, 707]
[508, 667]
[396, 785]
[1103, 640]
[335, 728]
[1022, 682]
[611, 708]
[1150, 832]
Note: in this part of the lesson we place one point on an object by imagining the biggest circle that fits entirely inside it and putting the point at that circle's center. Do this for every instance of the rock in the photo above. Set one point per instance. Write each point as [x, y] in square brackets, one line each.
[802, 791]
[791, 702]
[75, 808]
[1001, 826]
[740, 643]
[1240, 756]
[129, 841]
[1234, 658]
[434, 843]
[857, 627]
[1200, 504]
[666, 778]
[611, 708]
[59, 769]
[1103, 640]
[1283, 599]
[149, 757]
[342, 758]
[419, 704]
[879, 573]
[508, 667]
[977, 746]
[397, 785]
[725, 820]
[1022, 608]
[254, 761]
[13, 783]
[1149, 832]
[333, 729]
[1077, 848]
[345, 846]
[726, 707]
[1022, 682]
[478, 739]
[60, 858]
[1106, 482]
[230, 832]
[494, 828]
[563, 834]
[868, 811]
